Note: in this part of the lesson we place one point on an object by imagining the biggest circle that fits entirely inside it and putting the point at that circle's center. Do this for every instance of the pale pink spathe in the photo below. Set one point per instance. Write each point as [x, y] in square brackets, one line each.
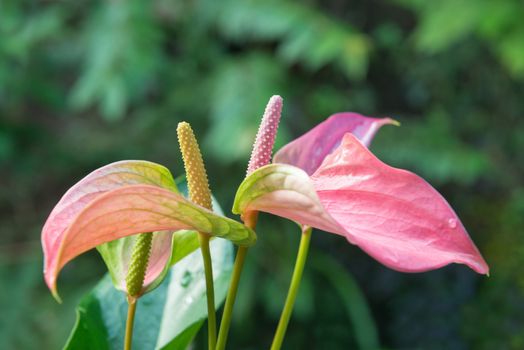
[87, 190]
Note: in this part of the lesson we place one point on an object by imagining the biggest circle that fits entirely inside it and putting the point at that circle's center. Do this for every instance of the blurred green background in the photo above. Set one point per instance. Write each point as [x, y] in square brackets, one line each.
[85, 83]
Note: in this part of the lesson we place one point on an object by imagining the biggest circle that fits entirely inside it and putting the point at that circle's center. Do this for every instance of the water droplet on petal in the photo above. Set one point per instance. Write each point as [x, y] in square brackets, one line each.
[188, 300]
[452, 223]
[186, 279]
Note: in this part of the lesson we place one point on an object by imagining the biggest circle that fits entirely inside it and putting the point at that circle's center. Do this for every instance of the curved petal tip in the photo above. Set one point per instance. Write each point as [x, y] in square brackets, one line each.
[50, 280]
[309, 150]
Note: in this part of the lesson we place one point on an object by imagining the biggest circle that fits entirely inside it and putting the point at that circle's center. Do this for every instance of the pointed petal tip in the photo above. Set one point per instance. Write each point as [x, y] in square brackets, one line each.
[54, 292]
[482, 268]
[392, 121]
[51, 284]
[478, 264]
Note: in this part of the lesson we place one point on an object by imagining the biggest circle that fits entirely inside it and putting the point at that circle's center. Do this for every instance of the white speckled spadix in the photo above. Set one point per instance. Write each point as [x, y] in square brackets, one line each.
[267, 132]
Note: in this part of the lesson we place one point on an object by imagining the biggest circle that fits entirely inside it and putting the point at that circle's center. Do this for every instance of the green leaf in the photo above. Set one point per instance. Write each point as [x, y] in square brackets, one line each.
[167, 318]
[89, 331]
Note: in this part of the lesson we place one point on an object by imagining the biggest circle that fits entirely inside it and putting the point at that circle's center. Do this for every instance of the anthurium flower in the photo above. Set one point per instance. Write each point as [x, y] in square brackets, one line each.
[333, 182]
[124, 199]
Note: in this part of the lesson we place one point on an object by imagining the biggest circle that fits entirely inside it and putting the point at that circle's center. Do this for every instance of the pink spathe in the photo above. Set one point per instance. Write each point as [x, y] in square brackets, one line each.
[392, 214]
[341, 187]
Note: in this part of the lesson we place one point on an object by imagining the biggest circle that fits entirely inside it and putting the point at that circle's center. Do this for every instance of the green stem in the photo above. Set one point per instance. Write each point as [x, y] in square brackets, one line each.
[210, 291]
[131, 309]
[251, 221]
[293, 288]
[230, 300]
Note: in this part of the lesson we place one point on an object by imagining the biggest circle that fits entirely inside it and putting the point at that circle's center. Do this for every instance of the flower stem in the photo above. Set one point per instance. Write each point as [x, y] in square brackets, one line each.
[293, 288]
[210, 291]
[251, 221]
[131, 309]
[231, 296]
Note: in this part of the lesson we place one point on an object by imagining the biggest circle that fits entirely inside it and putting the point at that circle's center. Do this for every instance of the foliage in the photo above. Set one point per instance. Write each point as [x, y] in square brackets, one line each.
[81, 87]
[169, 317]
